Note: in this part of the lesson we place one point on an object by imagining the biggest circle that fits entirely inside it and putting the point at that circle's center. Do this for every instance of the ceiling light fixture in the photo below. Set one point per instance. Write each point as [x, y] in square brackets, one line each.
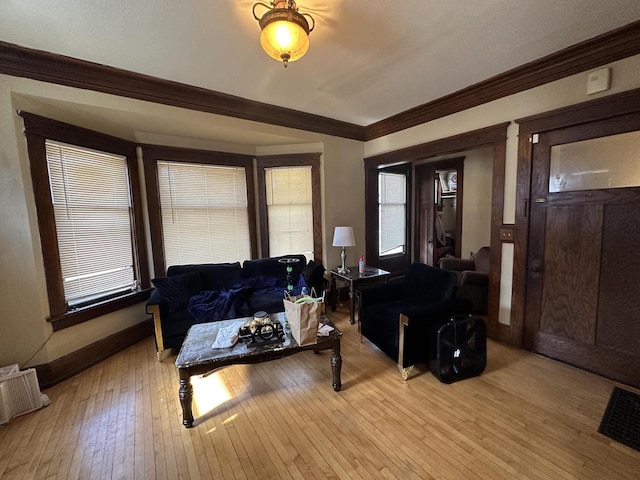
[285, 31]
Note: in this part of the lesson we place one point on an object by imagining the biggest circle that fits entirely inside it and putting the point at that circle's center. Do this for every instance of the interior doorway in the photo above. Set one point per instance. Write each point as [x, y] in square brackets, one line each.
[485, 206]
[439, 209]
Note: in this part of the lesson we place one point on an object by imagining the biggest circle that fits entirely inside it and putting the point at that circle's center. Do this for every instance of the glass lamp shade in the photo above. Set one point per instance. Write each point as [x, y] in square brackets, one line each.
[284, 31]
[284, 40]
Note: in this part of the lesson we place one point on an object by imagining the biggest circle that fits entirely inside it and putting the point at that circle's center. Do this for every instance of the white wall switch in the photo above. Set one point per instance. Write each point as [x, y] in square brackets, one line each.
[599, 81]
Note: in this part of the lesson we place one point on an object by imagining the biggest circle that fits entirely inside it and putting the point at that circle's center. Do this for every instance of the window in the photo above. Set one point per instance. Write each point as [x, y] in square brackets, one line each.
[201, 206]
[85, 185]
[290, 205]
[289, 210]
[90, 196]
[392, 213]
[204, 211]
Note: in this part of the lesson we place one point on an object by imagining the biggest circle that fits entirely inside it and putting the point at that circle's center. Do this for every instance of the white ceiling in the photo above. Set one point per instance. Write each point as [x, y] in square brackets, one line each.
[368, 60]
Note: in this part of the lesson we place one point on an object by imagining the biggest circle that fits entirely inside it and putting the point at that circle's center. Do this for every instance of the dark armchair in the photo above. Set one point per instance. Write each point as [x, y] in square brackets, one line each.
[473, 278]
[399, 316]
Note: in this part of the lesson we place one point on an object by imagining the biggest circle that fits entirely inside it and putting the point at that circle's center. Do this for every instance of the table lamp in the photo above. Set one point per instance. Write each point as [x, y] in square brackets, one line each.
[343, 237]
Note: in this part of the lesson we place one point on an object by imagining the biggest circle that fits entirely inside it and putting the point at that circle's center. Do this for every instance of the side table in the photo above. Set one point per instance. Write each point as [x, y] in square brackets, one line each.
[354, 278]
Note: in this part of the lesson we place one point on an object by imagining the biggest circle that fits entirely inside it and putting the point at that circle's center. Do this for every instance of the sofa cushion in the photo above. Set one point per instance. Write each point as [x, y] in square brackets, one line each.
[271, 267]
[221, 275]
[176, 290]
[424, 284]
[214, 276]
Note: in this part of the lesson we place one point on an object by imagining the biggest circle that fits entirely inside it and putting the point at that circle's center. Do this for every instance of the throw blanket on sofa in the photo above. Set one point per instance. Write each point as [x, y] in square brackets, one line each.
[209, 306]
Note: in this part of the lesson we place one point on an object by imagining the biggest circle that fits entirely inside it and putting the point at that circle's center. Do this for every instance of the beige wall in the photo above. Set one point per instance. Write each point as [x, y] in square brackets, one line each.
[343, 198]
[26, 338]
[476, 204]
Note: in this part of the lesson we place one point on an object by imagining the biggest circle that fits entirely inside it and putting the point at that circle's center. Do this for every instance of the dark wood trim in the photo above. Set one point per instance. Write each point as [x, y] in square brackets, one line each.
[586, 112]
[521, 239]
[65, 132]
[371, 216]
[191, 155]
[73, 363]
[453, 144]
[606, 48]
[497, 330]
[151, 154]
[74, 317]
[153, 209]
[37, 130]
[289, 160]
[46, 223]
[59, 69]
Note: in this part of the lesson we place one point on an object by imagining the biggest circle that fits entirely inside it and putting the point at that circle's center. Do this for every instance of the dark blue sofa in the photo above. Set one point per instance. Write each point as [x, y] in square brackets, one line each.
[191, 294]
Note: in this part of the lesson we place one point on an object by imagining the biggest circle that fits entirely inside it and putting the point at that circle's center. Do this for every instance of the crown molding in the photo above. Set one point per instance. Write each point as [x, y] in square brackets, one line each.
[72, 72]
[608, 47]
[53, 68]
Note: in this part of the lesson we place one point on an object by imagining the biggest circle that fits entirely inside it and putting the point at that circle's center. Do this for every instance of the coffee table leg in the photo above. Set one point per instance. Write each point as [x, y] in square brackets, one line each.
[336, 365]
[186, 395]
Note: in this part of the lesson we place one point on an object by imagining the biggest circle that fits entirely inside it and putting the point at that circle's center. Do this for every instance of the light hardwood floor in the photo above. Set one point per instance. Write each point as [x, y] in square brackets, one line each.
[525, 417]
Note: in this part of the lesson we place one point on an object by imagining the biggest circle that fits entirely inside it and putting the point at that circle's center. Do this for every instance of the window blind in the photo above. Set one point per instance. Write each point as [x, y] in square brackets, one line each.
[289, 210]
[92, 208]
[392, 202]
[205, 217]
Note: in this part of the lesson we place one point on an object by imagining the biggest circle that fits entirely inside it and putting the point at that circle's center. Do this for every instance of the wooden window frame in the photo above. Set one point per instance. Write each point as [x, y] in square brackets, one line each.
[37, 130]
[291, 160]
[394, 262]
[152, 154]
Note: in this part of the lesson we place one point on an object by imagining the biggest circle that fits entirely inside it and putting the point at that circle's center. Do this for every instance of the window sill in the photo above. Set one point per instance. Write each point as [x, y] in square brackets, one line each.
[83, 314]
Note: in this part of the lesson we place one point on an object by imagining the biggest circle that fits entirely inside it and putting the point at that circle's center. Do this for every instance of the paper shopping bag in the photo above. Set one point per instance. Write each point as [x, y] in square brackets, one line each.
[303, 314]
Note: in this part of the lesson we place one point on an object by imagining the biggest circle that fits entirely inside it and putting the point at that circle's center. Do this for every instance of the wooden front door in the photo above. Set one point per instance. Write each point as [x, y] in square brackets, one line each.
[583, 278]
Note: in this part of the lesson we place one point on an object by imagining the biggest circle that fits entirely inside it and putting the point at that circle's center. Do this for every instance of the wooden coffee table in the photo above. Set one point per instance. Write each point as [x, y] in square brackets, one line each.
[197, 357]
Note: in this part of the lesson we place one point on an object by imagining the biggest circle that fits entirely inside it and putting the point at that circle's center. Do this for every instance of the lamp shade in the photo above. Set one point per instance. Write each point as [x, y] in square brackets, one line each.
[343, 237]
[283, 39]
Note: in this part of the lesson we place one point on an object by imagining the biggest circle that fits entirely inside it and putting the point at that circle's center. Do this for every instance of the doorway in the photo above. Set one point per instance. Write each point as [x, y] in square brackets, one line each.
[583, 263]
[439, 213]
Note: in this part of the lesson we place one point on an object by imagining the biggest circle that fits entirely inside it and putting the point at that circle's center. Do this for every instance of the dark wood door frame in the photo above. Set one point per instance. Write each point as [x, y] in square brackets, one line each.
[611, 107]
[495, 136]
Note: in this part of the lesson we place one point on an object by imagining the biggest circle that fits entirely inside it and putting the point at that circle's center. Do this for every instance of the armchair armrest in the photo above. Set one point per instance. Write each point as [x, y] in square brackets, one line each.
[380, 293]
[457, 264]
[153, 308]
[154, 299]
[480, 279]
[423, 316]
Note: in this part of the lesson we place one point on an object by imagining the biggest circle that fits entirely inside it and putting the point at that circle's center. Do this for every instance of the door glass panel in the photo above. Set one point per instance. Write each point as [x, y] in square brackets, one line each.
[607, 162]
